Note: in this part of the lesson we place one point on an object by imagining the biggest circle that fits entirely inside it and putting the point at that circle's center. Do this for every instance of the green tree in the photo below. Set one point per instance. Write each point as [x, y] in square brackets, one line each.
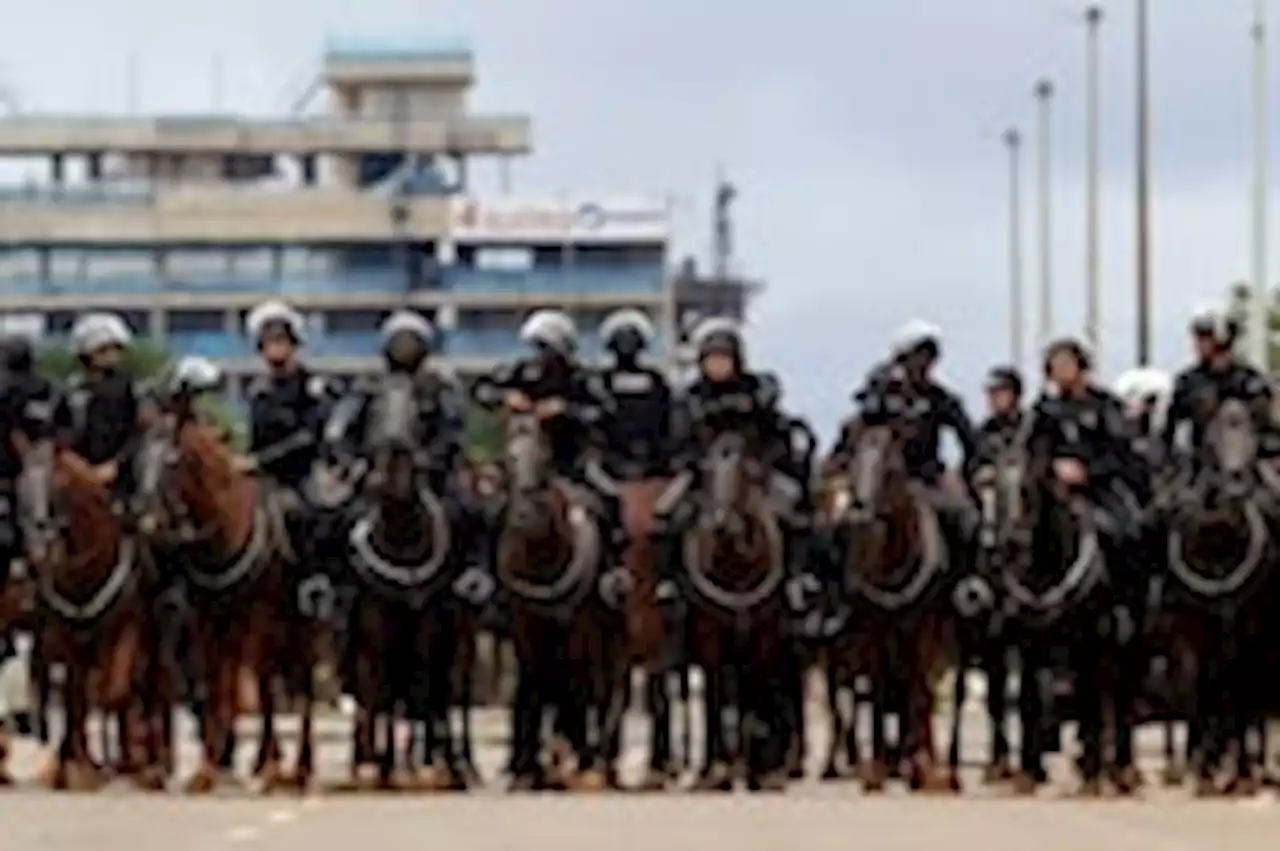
[1239, 300]
[146, 360]
[483, 434]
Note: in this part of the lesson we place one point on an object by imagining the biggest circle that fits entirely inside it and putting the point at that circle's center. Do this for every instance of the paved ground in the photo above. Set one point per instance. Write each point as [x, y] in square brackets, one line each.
[811, 816]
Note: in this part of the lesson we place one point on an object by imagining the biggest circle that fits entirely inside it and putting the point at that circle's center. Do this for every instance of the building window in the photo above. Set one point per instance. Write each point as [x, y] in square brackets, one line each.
[196, 321]
[354, 321]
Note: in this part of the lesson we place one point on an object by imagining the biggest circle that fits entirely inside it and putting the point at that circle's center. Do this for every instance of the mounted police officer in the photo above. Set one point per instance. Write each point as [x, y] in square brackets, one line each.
[1216, 376]
[725, 397]
[905, 386]
[1082, 427]
[1004, 404]
[633, 431]
[408, 340]
[551, 383]
[287, 408]
[97, 414]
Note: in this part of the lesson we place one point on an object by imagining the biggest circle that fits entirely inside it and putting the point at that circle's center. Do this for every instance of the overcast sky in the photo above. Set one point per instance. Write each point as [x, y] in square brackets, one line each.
[864, 137]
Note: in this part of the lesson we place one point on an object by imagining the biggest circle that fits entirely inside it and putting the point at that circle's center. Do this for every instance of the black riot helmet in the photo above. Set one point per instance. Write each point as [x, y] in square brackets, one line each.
[18, 354]
[626, 333]
[1005, 378]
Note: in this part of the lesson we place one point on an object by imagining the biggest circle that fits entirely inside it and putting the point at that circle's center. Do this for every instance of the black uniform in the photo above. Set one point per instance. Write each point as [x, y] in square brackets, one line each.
[1199, 390]
[97, 417]
[549, 378]
[635, 420]
[997, 432]
[286, 415]
[1091, 429]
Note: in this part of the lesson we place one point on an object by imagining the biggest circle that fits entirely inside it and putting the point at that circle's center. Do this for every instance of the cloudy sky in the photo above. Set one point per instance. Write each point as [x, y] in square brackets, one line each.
[864, 136]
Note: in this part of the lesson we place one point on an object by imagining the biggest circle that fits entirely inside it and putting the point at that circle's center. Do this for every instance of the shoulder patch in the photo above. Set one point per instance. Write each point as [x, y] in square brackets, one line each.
[317, 387]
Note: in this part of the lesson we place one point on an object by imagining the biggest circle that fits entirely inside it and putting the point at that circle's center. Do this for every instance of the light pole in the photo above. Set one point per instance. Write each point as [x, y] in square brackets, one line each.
[1044, 98]
[1093, 234]
[1143, 187]
[1013, 144]
[1259, 314]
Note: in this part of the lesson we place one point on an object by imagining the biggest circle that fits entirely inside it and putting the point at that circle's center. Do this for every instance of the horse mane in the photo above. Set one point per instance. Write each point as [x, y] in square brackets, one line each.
[203, 441]
[221, 488]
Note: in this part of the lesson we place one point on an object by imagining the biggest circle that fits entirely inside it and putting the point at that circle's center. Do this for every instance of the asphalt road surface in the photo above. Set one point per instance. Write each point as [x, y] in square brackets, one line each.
[811, 815]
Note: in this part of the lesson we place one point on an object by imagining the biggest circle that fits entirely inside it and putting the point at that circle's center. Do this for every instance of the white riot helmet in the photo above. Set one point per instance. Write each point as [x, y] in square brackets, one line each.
[1145, 390]
[627, 332]
[195, 374]
[718, 334]
[550, 329]
[275, 313]
[94, 332]
[1216, 324]
[915, 335]
[407, 323]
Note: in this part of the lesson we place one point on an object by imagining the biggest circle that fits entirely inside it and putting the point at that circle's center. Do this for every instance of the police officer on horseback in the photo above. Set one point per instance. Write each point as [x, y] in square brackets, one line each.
[97, 413]
[1081, 426]
[905, 386]
[633, 430]
[408, 340]
[726, 397]
[1004, 409]
[551, 383]
[1216, 376]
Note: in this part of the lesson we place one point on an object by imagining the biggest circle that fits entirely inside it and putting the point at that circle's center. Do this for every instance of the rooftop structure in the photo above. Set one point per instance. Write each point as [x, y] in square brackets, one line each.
[183, 222]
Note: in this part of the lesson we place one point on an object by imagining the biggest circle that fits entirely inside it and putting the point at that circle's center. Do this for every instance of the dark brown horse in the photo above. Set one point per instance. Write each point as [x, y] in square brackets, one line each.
[734, 560]
[215, 522]
[91, 581]
[405, 630]
[893, 555]
[549, 554]
[1221, 574]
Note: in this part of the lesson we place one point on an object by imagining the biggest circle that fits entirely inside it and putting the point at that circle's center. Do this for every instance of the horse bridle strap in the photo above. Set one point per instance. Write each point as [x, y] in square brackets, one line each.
[1087, 560]
[931, 562]
[241, 564]
[106, 595]
[738, 601]
[1240, 574]
[582, 562]
[367, 555]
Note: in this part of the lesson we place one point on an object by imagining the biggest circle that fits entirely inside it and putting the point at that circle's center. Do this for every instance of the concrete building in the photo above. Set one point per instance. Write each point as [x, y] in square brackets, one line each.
[183, 222]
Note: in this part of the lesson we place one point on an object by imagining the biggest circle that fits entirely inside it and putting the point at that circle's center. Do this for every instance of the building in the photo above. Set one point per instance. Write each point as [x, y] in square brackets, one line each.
[182, 223]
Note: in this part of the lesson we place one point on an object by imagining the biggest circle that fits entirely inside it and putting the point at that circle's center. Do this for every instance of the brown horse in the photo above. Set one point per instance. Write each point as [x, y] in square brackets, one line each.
[734, 561]
[549, 553]
[215, 521]
[404, 629]
[91, 581]
[647, 641]
[893, 555]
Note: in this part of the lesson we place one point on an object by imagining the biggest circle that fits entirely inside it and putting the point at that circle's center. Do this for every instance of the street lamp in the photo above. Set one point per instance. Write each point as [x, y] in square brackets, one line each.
[1259, 315]
[1013, 144]
[1143, 187]
[1093, 267]
[1044, 97]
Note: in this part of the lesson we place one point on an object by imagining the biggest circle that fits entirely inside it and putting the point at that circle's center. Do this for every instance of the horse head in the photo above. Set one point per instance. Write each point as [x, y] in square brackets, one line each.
[734, 479]
[527, 453]
[877, 471]
[395, 436]
[1229, 455]
[43, 519]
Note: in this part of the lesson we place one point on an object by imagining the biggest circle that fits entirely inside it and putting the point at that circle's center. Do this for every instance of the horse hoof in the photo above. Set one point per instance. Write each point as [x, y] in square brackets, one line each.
[1127, 780]
[774, 781]
[1089, 789]
[714, 780]
[590, 780]
[201, 783]
[523, 783]
[831, 773]
[1173, 778]
[1024, 784]
[796, 773]
[1247, 787]
[999, 772]
[1206, 788]
[151, 779]
[654, 781]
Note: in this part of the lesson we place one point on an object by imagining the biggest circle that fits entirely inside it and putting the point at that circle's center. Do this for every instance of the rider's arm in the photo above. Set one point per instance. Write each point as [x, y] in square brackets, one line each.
[1179, 410]
[957, 419]
[344, 428]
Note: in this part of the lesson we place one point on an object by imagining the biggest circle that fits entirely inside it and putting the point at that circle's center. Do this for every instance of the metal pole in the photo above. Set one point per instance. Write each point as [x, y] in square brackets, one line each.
[1260, 320]
[1093, 235]
[1044, 95]
[1144, 186]
[1017, 315]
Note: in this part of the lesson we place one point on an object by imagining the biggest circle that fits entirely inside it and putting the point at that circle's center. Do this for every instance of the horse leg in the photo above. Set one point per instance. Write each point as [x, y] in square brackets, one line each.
[526, 773]
[830, 670]
[1031, 708]
[960, 694]
[1126, 776]
[876, 772]
[1089, 699]
[714, 775]
[996, 663]
[658, 708]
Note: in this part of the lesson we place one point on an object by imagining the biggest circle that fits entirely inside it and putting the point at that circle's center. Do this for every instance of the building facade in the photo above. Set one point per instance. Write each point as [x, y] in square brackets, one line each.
[183, 223]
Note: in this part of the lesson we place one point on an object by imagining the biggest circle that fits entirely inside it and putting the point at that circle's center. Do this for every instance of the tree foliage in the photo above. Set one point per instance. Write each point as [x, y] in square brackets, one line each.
[483, 436]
